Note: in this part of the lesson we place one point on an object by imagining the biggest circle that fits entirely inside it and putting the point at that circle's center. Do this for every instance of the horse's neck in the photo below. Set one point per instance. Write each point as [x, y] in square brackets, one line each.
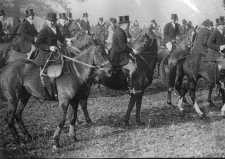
[83, 71]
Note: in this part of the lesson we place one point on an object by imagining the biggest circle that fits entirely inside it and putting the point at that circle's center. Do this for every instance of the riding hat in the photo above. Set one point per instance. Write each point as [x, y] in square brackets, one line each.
[85, 14]
[124, 19]
[174, 16]
[29, 12]
[2, 12]
[52, 16]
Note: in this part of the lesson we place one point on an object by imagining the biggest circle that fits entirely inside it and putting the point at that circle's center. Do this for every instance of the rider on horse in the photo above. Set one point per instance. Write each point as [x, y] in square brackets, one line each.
[171, 32]
[2, 33]
[26, 34]
[200, 43]
[48, 42]
[216, 42]
[84, 23]
[63, 25]
[120, 52]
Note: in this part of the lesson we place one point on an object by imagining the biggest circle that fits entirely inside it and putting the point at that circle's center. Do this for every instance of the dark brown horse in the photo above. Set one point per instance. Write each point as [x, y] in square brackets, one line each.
[21, 79]
[146, 61]
[194, 67]
[169, 62]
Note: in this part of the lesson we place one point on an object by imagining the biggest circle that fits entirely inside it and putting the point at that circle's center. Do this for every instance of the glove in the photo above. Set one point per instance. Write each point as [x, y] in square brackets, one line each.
[53, 48]
[222, 47]
[134, 51]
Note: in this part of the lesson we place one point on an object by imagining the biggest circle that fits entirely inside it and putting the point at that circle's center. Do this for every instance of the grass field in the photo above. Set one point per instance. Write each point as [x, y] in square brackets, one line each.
[166, 134]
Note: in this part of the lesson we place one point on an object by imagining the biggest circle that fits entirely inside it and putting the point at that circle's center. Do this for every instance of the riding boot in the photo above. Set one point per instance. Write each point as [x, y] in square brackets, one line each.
[130, 84]
[54, 88]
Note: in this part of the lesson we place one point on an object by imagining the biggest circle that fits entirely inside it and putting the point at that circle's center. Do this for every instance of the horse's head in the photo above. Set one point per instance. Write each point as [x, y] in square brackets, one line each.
[103, 66]
[144, 43]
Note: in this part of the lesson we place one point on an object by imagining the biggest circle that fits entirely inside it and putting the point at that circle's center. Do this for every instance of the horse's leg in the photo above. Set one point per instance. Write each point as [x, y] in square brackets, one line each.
[73, 119]
[222, 91]
[63, 103]
[23, 103]
[211, 86]
[83, 104]
[130, 107]
[138, 109]
[12, 106]
[193, 98]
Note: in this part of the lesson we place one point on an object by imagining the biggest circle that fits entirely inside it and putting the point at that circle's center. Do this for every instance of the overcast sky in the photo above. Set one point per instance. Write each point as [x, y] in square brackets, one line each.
[145, 10]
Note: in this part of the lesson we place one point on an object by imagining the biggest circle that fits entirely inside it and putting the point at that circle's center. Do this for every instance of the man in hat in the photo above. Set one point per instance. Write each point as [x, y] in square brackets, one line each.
[112, 26]
[101, 30]
[2, 33]
[84, 23]
[63, 25]
[47, 43]
[171, 32]
[26, 33]
[216, 41]
[154, 30]
[201, 40]
[120, 52]
[184, 27]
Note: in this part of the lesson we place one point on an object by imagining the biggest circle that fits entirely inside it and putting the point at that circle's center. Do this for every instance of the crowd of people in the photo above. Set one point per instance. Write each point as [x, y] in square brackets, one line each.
[115, 35]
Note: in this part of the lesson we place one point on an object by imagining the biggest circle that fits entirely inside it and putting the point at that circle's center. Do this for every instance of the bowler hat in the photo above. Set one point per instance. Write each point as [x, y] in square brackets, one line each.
[29, 12]
[51, 16]
[101, 18]
[174, 16]
[2, 12]
[124, 19]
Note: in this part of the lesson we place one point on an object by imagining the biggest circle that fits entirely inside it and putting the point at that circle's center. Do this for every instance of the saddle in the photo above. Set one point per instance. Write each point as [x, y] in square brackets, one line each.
[50, 72]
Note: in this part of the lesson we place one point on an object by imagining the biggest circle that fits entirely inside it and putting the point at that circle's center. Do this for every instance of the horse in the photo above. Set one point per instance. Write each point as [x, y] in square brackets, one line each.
[146, 61]
[169, 62]
[194, 67]
[21, 79]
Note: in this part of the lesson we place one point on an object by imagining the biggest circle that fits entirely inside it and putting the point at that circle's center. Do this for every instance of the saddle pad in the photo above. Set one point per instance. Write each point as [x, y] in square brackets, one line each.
[54, 71]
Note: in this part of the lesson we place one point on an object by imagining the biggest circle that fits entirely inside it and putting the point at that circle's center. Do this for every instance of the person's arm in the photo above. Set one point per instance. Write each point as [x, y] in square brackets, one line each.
[166, 32]
[212, 42]
[41, 40]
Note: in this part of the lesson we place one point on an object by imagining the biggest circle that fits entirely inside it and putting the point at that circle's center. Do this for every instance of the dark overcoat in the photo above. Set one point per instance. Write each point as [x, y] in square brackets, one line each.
[85, 25]
[46, 38]
[119, 52]
[171, 32]
[201, 40]
[25, 37]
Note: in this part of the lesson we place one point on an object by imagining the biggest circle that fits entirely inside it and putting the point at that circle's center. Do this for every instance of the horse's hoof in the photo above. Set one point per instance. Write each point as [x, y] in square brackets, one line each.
[140, 123]
[89, 122]
[55, 149]
[75, 139]
[203, 116]
[126, 124]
